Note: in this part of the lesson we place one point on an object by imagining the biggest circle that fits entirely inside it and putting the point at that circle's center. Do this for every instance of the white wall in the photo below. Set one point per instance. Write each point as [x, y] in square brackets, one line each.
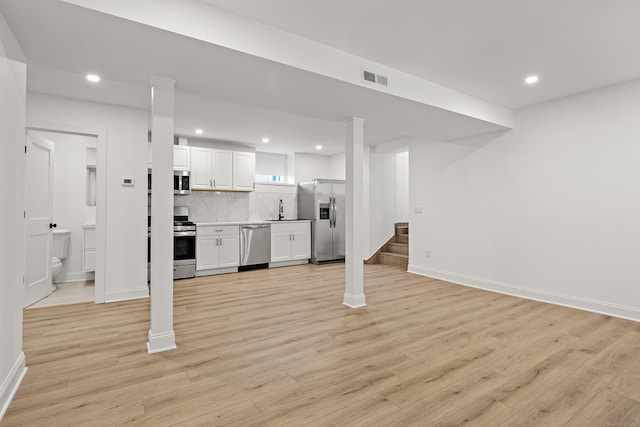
[402, 187]
[126, 207]
[382, 199]
[70, 208]
[337, 166]
[13, 76]
[548, 210]
[311, 166]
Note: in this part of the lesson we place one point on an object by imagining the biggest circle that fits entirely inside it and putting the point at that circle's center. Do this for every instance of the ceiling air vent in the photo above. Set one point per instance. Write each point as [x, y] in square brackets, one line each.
[368, 76]
[371, 78]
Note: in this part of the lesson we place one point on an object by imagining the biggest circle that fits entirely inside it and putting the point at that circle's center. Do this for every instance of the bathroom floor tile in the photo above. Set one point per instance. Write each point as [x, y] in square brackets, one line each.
[68, 293]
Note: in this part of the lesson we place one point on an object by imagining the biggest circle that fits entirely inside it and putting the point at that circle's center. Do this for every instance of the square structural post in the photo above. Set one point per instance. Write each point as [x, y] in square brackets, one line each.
[161, 334]
[354, 257]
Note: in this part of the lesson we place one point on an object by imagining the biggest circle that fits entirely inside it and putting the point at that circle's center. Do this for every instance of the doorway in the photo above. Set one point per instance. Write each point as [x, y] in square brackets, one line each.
[77, 192]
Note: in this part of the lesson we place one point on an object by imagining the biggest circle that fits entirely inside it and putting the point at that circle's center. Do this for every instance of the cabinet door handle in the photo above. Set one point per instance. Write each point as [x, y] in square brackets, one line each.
[293, 237]
[214, 183]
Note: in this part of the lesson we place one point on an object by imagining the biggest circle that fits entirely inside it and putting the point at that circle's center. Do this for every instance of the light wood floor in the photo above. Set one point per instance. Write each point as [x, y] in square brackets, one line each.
[276, 347]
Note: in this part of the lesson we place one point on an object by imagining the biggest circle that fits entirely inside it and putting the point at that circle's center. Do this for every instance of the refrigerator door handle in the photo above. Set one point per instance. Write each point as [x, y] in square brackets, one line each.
[335, 212]
[331, 212]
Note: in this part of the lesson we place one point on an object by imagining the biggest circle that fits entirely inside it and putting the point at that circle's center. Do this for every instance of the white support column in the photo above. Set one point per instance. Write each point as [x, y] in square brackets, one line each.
[354, 268]
[161, 335]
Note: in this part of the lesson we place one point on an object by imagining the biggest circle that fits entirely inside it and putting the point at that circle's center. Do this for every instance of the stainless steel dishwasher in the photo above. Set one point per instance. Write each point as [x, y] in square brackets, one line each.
[255, 244]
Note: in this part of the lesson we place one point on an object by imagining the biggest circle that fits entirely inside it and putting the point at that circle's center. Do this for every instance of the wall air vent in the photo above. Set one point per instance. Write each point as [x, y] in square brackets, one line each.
[371, 78]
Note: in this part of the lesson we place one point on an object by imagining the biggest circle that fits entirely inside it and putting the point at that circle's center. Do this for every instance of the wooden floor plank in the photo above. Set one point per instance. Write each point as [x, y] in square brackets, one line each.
[608, 409]
[278, 347]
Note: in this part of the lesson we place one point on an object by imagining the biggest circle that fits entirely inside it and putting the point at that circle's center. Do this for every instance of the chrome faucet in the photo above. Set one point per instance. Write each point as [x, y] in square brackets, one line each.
[280, 211]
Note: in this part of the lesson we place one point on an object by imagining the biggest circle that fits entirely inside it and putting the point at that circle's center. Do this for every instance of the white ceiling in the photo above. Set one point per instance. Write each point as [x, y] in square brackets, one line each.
[484, 51]
[483, 48]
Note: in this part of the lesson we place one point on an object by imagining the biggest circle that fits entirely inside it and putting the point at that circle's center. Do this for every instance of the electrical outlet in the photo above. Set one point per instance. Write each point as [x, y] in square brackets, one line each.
[417, 210]
[428, 254]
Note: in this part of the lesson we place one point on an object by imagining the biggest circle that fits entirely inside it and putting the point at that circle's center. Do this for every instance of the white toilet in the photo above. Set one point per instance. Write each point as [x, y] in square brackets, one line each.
[61, 238]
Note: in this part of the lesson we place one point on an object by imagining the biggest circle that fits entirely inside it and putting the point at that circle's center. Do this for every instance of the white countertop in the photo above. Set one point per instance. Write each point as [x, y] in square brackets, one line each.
[275, 221]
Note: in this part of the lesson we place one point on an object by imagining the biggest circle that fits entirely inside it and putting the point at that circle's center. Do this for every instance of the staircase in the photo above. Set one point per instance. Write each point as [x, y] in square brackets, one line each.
[396, 251]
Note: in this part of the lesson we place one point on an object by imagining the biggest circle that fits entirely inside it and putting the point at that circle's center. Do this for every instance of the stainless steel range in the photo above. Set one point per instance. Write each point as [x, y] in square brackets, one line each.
[184, 244]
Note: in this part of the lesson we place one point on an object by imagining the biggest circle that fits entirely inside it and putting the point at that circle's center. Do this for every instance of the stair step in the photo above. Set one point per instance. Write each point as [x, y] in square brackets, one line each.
[397, 248]
[402, 230]
[402, 238]
[398, 260]
[395, 255]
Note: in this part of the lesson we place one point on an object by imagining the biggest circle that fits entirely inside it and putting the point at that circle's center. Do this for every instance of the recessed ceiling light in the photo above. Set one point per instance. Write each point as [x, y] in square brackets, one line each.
[93, 78]
[318, 147]
[531, 80]
[265, 140]
[199, 131]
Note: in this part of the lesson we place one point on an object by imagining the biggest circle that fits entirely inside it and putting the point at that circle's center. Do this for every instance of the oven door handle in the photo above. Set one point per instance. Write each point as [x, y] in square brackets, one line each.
[184, 234]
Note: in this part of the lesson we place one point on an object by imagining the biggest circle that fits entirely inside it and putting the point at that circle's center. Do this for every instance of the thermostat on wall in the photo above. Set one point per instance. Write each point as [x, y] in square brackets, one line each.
[128, 182]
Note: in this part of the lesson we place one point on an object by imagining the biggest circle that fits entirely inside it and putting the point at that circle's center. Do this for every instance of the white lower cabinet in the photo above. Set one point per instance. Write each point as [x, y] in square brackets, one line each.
[290, 241]
[280, 245]
[301, 244]
[217, 247]
[89, 248]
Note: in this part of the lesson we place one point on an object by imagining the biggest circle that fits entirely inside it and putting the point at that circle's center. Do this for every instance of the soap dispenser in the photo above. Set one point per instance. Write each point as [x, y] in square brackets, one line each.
[280, 211]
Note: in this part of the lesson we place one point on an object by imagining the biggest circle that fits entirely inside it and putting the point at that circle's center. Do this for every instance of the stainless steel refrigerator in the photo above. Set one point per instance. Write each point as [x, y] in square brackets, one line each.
[323, 202]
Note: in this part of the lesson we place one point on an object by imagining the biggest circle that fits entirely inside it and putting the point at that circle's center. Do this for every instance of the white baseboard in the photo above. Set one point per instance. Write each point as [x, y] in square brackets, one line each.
[354, 301]
[161, 342]
[216, 271]
[76, 277]
[601, 307]
[10, 384]
[288, 263]
[115, 296]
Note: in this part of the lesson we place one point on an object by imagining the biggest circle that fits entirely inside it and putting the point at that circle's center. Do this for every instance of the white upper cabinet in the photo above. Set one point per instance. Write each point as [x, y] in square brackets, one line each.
[201, 168]
[244, 171]
[222, 170]
[213, 169]
[181, 157]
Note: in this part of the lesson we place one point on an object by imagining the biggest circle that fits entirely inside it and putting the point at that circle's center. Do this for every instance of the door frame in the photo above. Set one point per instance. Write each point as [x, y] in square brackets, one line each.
[101, 192]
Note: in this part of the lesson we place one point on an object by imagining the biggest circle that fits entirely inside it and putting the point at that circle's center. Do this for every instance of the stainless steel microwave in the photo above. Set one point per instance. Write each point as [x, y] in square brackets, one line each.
[181, 182]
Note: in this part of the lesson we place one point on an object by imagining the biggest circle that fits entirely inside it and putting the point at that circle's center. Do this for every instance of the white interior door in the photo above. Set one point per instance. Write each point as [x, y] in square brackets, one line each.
[38, 205]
